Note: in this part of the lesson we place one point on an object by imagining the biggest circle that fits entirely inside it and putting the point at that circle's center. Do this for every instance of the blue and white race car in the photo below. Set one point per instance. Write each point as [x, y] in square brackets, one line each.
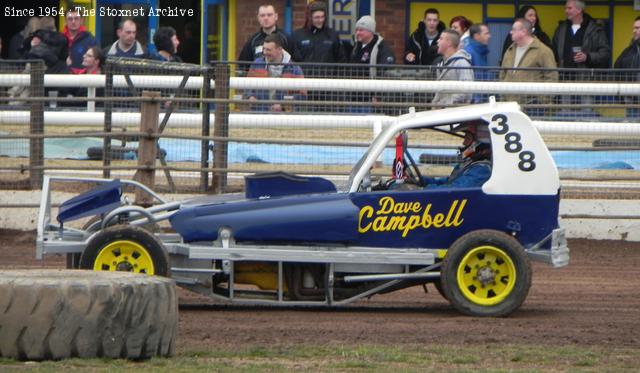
[298, 240]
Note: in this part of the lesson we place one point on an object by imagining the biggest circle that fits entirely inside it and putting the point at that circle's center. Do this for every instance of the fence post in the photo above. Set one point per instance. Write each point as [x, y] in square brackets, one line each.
[221, 127]
[149, 111]
[36, 145]
[108, 111]
[206, 127]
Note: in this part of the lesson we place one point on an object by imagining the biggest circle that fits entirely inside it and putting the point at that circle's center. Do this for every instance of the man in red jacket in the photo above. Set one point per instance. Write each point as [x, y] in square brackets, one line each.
[78, 38]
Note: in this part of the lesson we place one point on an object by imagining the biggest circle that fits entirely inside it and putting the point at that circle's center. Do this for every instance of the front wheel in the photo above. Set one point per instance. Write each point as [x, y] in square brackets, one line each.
[486, 273]
[127, 249]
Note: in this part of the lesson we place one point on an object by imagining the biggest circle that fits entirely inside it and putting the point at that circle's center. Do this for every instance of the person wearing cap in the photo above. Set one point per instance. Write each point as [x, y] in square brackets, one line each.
[370, 48]
[475, 168]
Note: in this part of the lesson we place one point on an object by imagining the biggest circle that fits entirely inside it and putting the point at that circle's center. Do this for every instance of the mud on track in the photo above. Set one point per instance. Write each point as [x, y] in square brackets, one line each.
[595, 301]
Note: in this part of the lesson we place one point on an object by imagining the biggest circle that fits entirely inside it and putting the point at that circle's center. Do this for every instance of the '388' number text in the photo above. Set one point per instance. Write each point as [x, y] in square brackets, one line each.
[513, 145]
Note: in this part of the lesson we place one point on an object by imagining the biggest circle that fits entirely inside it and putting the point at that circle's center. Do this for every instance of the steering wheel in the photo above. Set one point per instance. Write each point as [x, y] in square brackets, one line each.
[413, 172]
[410, 169]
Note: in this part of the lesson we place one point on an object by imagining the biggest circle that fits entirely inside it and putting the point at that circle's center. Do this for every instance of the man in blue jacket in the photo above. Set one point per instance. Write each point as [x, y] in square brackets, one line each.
[475, 168]
[478, 48]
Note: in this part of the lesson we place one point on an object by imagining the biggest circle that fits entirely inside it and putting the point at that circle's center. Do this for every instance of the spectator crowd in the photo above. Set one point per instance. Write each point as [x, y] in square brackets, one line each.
[459, 52]
[76, 51]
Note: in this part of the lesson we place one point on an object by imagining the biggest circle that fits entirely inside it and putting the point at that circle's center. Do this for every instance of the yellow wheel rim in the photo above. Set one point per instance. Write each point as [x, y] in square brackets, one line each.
[125, 256]
[486, 275]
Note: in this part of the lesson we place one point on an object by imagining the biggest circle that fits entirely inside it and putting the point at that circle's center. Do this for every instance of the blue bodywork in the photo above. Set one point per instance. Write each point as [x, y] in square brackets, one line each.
[426, 218]
[99, 200]
[274, 184]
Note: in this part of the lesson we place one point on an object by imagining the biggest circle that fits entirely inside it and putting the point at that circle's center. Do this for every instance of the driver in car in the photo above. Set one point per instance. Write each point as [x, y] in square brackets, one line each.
[475, 167]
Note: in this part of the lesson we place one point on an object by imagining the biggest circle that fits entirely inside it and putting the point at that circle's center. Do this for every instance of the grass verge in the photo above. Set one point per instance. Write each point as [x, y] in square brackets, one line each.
[369, 358]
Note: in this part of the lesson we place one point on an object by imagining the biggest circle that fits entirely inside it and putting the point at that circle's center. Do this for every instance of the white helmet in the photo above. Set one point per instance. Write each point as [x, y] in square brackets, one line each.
[478, 144]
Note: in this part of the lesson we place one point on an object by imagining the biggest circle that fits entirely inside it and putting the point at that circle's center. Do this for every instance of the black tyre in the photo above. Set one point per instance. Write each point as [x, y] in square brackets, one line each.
[486, 273]
[126, 248]
[58, 314]
[438, 285]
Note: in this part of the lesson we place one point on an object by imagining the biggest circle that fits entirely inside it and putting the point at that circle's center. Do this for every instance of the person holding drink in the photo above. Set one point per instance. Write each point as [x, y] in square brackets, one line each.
[580, 43]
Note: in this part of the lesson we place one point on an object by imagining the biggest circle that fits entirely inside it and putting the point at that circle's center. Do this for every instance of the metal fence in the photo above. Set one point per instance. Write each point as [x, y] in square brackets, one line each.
[218, 123]
[22, 146]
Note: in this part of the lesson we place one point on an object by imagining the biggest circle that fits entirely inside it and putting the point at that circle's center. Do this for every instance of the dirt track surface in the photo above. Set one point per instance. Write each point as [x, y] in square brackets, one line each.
[595, 301]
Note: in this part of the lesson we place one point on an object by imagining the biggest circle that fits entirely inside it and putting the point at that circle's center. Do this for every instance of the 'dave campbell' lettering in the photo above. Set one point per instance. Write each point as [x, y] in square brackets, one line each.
[407, 216]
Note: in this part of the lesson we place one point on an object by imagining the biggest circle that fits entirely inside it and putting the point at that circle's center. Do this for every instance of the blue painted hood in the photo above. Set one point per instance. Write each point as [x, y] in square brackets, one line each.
[276, 184]
[302, 219]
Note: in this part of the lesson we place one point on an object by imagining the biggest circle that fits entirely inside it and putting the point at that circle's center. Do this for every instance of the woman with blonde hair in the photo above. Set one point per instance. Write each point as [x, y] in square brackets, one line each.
[15, 48]
[49, 45]
[47, 23]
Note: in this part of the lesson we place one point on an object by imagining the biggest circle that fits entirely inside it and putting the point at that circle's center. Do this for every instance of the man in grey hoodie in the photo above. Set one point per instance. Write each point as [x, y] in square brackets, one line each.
[126, 45]
[456, 65]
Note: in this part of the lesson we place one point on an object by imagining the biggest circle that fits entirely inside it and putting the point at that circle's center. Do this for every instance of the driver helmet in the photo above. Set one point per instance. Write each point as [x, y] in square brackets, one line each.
[477, 140]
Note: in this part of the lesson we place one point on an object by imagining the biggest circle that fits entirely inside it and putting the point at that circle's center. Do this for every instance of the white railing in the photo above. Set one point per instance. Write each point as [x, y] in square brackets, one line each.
[353, 85]
[194, 120]
[92, 118]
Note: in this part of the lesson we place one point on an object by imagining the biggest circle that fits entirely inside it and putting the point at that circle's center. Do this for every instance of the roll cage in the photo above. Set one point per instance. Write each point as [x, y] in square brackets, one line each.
[522, 163]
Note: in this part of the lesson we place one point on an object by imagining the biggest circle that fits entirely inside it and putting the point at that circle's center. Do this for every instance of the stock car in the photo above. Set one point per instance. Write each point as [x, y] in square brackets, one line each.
[297, 240]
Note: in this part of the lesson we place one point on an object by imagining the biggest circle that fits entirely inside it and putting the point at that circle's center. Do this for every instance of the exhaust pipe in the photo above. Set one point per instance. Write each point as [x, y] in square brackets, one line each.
[393, 276]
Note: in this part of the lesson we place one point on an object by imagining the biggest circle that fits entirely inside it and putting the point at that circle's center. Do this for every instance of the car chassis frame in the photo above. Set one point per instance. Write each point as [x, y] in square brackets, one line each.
[192, 264]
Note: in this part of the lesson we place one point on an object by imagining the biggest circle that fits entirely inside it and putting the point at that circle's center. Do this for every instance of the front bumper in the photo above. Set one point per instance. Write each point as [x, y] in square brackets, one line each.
[558, 255]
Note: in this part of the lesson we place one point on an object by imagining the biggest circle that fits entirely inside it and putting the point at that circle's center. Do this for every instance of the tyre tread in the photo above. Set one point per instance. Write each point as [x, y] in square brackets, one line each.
[56, 314]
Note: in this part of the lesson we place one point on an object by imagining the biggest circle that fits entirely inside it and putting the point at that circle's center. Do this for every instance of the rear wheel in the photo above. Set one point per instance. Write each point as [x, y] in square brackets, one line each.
[486, 273]
[128, 249]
